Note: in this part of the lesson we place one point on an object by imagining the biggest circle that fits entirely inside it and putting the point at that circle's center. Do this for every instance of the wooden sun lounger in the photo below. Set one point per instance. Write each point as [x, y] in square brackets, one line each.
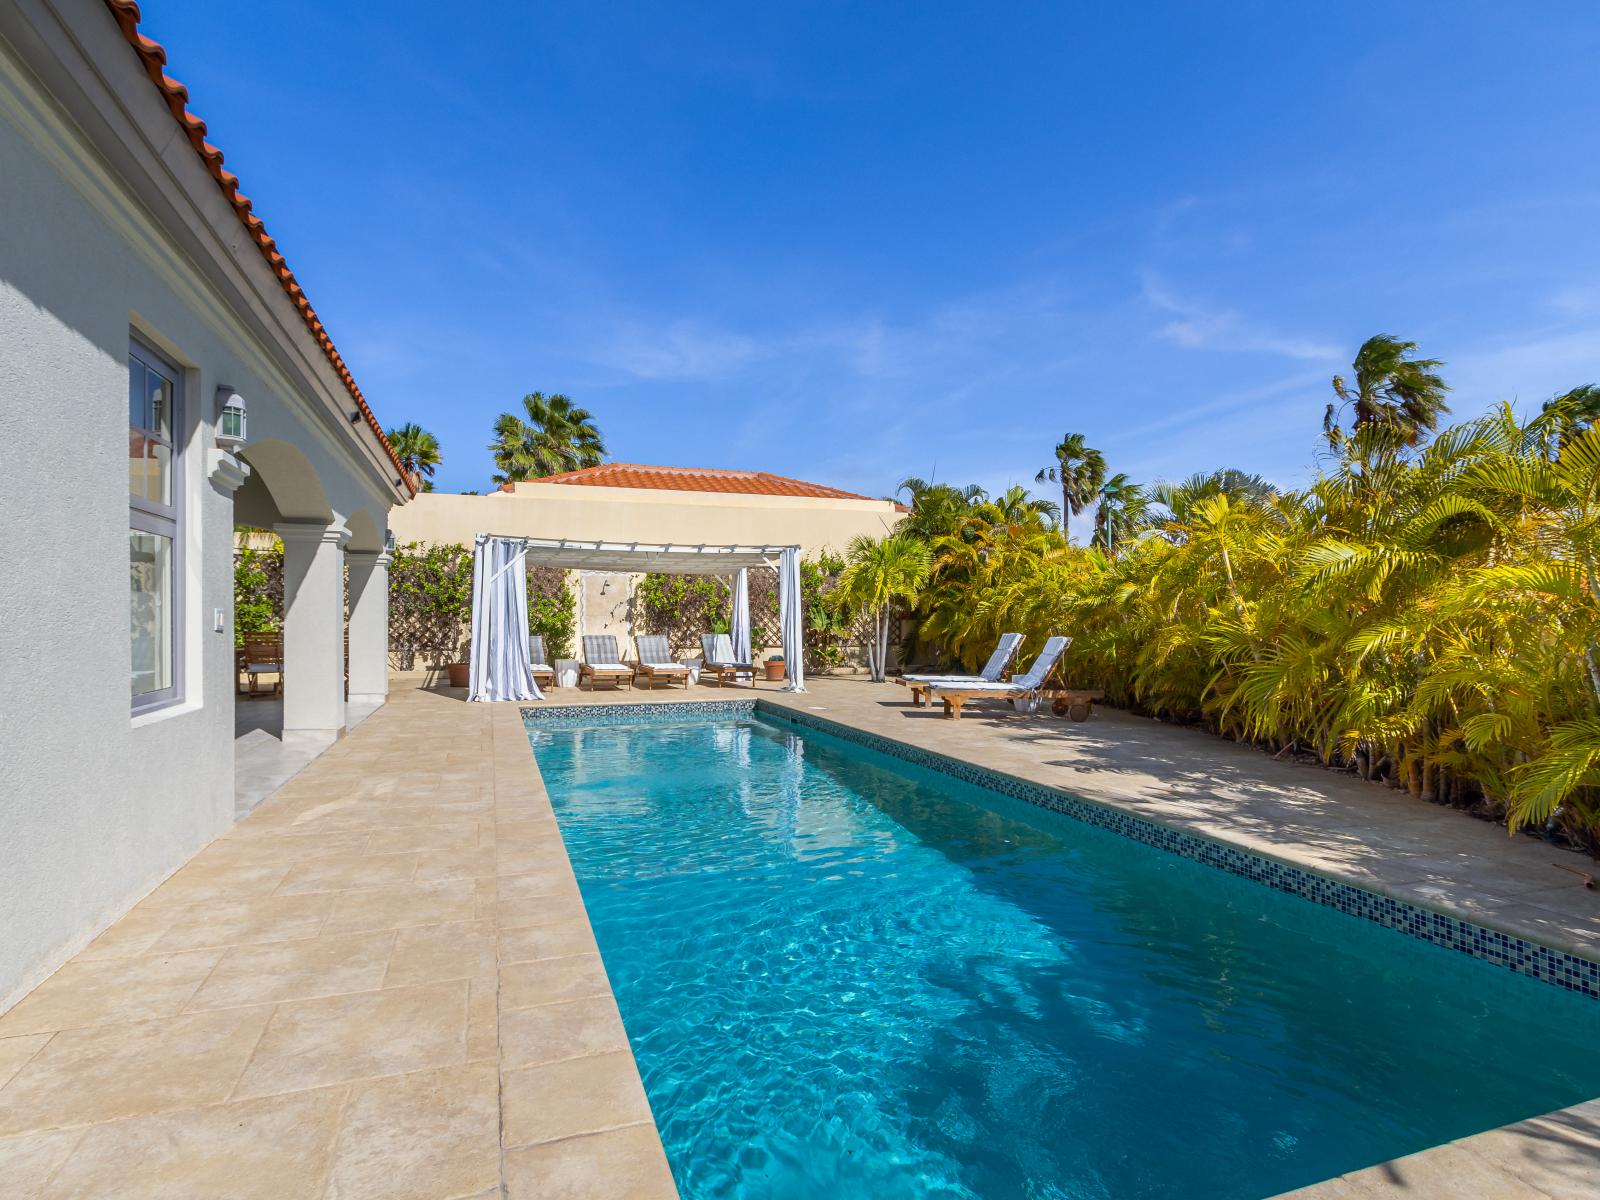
[1034, 683]
[540, 669]
[1077, 703]
[656, 662]
[723, 668]
[602, 662]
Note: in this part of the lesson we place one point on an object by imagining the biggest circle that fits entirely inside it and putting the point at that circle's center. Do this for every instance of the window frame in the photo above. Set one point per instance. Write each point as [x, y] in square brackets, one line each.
[163, 520]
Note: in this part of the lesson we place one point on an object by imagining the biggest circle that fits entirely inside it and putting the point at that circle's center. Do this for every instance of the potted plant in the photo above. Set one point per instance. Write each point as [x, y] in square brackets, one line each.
[460, 673]
[774, 668]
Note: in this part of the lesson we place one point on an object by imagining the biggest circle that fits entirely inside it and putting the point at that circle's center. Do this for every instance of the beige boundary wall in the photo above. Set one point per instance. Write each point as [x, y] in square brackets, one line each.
[584, 512]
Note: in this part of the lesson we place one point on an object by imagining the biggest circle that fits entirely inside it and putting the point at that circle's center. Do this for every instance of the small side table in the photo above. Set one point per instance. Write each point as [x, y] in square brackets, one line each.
[566, 672]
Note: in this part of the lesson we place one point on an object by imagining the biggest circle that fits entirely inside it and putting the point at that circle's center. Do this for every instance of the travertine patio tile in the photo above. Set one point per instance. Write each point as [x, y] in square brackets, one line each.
[622, 1164]
[475, 862]
[485, 897]
[567, 1099]
[16, 1051]
[403, 906]
[550, 980]
[348, 873]
[527, 829]
[1443, 1173]
[299, 970]
[545, 856]
[434, 953]
[552, 1032]
[241, 922]
[553, 880]
[483, 1021]
[244, 844]
[460, 836]
[135, 932]
[313, 1043]
[559, 939]
[200, 883]
[427, 1136]
[111, 990]
[563, 904]
[27, 1162]
[275, 1149]
[111, 1071]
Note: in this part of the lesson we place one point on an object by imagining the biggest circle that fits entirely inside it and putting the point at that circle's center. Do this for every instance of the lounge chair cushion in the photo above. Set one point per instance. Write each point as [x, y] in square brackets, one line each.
[1004, 652]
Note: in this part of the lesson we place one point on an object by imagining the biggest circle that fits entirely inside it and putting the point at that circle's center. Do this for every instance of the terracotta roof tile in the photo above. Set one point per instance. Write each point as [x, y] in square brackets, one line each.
[697, 479]
[154, 57]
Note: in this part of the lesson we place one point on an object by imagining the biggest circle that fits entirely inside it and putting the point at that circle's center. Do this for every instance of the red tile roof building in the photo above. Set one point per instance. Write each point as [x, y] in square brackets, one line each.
[695, 479]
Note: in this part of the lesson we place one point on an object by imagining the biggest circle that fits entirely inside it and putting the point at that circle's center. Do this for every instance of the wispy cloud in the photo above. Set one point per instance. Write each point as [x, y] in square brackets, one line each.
[678, 350]
[1199, 326]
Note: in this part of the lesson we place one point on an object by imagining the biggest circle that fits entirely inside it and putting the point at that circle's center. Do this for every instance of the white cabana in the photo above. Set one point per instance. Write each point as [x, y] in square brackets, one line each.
[500, 660]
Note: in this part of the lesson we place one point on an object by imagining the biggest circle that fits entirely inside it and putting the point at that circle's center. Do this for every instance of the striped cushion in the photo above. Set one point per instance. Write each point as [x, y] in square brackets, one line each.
[600, 650]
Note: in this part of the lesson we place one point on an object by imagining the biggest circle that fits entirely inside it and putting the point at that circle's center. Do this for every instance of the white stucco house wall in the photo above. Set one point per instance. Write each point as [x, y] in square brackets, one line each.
[138, 293]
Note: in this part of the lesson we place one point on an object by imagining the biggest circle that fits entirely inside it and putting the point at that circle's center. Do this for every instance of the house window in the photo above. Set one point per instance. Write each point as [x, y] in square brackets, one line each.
[155, 518]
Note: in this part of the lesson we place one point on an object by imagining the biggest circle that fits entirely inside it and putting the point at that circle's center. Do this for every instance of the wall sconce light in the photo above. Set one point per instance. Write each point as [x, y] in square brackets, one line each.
[230, 418]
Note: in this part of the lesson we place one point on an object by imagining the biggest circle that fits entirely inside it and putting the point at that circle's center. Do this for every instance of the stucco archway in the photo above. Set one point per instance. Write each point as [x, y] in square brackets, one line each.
[289, 479]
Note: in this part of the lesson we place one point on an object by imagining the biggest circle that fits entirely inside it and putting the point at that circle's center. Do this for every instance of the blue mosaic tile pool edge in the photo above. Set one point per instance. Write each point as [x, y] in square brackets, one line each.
[1514, 953]
[629, 714]
[1533, 959]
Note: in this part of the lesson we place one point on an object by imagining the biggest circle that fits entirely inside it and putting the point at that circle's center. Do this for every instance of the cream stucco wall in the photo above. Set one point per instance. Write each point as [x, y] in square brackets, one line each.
[607, 514]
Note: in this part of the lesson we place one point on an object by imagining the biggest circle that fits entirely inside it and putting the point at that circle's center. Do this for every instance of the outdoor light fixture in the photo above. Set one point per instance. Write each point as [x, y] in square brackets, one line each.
[230, 418]
[388, 541]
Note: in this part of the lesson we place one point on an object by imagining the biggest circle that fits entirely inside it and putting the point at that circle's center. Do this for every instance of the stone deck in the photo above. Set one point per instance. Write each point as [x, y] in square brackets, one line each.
[383, 981]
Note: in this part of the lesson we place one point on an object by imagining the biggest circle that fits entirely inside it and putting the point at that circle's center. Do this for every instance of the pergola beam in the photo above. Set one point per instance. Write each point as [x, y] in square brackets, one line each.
[640, 557]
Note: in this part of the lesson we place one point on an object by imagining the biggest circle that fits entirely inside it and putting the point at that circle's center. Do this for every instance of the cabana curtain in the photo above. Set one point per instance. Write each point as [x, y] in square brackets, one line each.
[500, 666]
[789, 618]
[740, 626]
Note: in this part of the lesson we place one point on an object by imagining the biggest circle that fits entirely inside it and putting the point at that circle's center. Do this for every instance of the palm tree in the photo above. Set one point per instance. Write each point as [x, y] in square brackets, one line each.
[1079, 470]
[1570, 413]
[1401, 394]
[1120, 513]
[417, 450]
[936, 508]
[1240, 486]
[877, 573]
[556, 436]
[1015, 506]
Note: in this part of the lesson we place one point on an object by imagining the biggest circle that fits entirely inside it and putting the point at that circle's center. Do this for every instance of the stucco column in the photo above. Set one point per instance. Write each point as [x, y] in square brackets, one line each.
[369, 626]
[313, 631]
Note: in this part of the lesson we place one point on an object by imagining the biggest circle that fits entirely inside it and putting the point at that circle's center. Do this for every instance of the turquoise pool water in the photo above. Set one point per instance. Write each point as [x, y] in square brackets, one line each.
[847, 977]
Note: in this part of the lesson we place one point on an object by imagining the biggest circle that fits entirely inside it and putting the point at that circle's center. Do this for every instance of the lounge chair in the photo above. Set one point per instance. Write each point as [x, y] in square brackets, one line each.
[602, 662]
[539, 657]
[1031, 684]
[656, 661]
[993, 671]
[720, 664]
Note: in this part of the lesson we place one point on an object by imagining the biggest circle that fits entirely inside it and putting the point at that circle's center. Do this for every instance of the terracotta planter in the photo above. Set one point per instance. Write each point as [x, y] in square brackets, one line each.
[774, 669]
[460, 674]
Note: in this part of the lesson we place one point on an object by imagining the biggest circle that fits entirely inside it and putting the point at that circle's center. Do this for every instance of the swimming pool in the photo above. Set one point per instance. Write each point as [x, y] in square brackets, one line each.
[848, 976]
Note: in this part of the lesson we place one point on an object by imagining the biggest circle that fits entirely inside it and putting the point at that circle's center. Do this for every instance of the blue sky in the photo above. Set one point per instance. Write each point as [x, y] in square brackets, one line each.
[856, 242]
